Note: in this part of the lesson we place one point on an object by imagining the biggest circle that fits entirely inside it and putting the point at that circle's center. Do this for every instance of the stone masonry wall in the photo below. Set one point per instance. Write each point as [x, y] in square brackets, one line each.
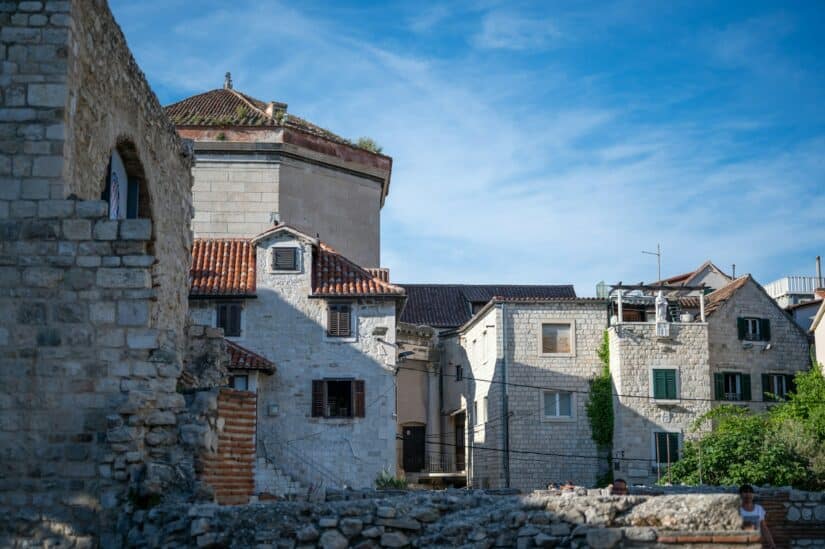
[456, 519]
[91, 334]
[634, 352]
[789, 346]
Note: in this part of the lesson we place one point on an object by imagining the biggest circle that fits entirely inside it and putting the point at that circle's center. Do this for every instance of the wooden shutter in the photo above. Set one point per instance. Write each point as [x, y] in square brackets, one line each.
[670, 384]
[234, 318]
[661, 447]
[317, 398]
[222, 317]
[766, 387]
[284, 259]
[358, 397]
[659, 384]
[765, 329]
[746, 386]
[742, 327]
[673, 446]
[338, 321]
[719, 386]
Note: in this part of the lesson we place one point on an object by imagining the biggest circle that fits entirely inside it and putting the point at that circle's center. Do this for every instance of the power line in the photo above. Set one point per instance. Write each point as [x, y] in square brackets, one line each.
[581, 391]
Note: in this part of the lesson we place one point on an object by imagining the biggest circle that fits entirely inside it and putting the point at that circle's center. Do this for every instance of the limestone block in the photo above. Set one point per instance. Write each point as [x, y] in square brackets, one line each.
[123, 278]
[77, 229]
[105, 229]
[135, 229]
[55, 208]
[133, 313]
[90, 208]
[47, 95]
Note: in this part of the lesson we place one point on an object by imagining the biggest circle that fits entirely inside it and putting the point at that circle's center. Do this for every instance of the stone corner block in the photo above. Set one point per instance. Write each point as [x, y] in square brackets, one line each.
[55, 208]
[136, 229]
[92, 208]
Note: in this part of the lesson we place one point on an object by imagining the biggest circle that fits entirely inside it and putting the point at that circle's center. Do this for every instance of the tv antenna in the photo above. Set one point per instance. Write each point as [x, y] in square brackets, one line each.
[658, 254]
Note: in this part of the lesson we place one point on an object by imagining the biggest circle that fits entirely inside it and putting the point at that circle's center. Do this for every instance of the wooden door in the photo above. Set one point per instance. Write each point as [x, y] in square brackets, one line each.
[459, 442]
[414, 442]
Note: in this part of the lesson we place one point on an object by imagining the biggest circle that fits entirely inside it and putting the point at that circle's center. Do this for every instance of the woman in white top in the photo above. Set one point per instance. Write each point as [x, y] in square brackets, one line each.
[753, 515]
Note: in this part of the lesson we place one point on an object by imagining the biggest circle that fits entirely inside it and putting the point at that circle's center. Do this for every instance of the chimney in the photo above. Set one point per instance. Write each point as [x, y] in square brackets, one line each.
[227, 81]
[818, 272]
[733, 274]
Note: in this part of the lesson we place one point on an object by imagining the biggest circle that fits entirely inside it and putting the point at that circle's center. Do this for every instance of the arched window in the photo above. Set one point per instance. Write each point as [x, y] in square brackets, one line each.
[124, 189]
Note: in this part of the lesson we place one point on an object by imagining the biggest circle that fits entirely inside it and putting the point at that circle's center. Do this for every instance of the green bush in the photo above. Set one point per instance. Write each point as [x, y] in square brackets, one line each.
[369, 144]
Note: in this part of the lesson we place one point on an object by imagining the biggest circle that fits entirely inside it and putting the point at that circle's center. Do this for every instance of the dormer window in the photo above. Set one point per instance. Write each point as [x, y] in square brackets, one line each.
[285, 259]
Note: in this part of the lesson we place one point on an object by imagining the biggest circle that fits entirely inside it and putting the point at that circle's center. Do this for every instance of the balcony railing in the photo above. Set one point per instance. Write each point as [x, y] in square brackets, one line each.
[440, 463]
[792, 285]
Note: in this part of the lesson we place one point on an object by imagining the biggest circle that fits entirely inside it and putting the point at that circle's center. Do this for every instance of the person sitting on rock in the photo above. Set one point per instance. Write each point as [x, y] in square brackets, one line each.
[619, 487]
[753, 515]
[568, 489]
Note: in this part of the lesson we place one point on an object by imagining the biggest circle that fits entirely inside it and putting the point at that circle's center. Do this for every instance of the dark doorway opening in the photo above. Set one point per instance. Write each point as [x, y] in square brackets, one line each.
[460, 419]
[414, 441]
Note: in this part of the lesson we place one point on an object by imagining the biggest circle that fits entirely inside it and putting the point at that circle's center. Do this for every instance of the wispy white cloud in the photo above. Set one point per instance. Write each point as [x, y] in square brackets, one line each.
[505, 30]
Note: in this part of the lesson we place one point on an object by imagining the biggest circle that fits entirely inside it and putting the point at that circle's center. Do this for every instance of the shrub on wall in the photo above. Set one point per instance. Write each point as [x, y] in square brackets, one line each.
[599, 408]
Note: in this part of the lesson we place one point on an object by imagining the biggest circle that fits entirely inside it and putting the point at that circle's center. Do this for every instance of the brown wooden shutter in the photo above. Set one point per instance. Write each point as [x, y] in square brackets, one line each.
[338, 321]
[358, 390]
[283, 259]
[317, 398]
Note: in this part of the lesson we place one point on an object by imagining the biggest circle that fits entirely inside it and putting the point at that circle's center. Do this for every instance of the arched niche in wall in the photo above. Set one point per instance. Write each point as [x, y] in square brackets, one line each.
[124, 186]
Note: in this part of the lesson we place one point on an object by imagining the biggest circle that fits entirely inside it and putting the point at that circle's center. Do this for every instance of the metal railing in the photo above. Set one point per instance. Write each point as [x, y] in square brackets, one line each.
[440, 463]
[792, 285]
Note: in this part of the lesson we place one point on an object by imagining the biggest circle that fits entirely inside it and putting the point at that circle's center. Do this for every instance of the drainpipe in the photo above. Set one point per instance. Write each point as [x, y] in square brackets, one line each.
[505, 404]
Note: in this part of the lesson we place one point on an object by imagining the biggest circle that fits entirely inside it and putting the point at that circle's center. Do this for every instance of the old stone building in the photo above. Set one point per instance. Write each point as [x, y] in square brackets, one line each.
[519, 371]
[326, 414]
[95, 207]
[257, 165]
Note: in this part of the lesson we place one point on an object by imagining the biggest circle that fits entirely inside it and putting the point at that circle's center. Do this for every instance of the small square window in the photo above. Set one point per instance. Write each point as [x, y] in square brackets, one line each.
[240, 383]
[558, 404]
[229, 318]
[284, 259]
[339, 318]
[556, 338]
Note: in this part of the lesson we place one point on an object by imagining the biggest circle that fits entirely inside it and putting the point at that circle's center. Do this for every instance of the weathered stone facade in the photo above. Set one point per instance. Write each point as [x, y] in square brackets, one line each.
[287, 325]
[635, 351]
[787, 351]
[92, 335]
[501, 347]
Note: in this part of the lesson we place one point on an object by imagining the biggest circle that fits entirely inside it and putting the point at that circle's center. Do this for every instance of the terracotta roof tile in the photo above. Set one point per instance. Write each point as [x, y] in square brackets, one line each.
[715, 300]
[222, 267]
[335, 275]
[241, 358]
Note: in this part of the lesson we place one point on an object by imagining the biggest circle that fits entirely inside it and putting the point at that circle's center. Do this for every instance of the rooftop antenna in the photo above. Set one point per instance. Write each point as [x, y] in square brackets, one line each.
[733, 267]
[658, 254]
[227, 81]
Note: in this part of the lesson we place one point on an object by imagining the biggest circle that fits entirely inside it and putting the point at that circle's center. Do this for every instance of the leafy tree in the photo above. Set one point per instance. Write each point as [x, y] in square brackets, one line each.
[784, 446]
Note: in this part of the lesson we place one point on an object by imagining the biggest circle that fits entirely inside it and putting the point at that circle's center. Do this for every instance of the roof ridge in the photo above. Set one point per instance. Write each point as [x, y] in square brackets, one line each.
[246, 100]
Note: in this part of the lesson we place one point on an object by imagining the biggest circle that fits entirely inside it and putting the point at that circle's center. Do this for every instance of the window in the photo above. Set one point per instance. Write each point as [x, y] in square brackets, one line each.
[240, 383]
[338, 398]
[732, 386]
[777, 386]
[121, 192]
[229, 318]
[486, 409]
[339, 318]
[666, 448]
[664, 384]
[558, 404]
[476, 419]
[556, 338]
[284, 259]
[459, 372]
[754, 329]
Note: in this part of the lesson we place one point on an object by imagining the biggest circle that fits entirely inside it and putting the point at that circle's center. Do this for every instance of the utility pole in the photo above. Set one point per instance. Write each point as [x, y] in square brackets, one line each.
[658, 254]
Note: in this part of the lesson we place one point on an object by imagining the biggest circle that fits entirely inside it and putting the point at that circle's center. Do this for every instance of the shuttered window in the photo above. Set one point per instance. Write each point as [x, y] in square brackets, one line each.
[753, 329]
[666, 448]
[338, 398]
[339, 320]
[732, 386]
[229, 318]
[777, 386]
[664, 384]
[284, 259]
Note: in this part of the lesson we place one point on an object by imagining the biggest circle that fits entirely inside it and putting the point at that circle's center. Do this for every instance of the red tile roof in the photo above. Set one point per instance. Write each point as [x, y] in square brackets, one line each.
[715, 300]
[244, 359]
[336, 276]
[222, 267]
[227, 107]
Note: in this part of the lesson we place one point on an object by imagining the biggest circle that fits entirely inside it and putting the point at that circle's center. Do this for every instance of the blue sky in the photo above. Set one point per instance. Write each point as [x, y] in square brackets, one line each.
[542, 142]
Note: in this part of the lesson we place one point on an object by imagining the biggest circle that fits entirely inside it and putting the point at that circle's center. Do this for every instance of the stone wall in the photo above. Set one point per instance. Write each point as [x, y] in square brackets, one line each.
[789, 346]
[92, 334]
[634, 351]
[456, 518]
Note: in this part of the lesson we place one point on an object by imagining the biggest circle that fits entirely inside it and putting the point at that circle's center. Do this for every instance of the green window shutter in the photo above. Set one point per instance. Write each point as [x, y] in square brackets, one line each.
[719, 386]
[766, 387]
[741, 326]
[673, 446]
[746, 386]
[670, 384]
[659, 384]
[661, 447]
[765, 329]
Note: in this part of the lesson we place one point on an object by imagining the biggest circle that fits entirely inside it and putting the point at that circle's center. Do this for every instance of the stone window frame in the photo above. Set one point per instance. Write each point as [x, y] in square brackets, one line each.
[558, 419]
[299, 258]
[569, 321]
[680, 445]
[664, 401]
[353, 319]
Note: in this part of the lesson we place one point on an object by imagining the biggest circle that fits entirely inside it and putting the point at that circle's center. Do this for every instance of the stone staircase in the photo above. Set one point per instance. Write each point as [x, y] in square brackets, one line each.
[272, 483]
[230, 471]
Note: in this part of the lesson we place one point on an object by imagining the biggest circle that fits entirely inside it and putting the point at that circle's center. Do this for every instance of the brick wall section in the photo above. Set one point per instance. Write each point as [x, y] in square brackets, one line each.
[795, 518]
[230, 470]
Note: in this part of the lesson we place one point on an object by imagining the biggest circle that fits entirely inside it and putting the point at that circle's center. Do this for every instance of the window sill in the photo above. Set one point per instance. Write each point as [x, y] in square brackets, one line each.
[557, 355]
[331, 339]
[667, 401]
[284, 272]
[558, 419]
[337, 420]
